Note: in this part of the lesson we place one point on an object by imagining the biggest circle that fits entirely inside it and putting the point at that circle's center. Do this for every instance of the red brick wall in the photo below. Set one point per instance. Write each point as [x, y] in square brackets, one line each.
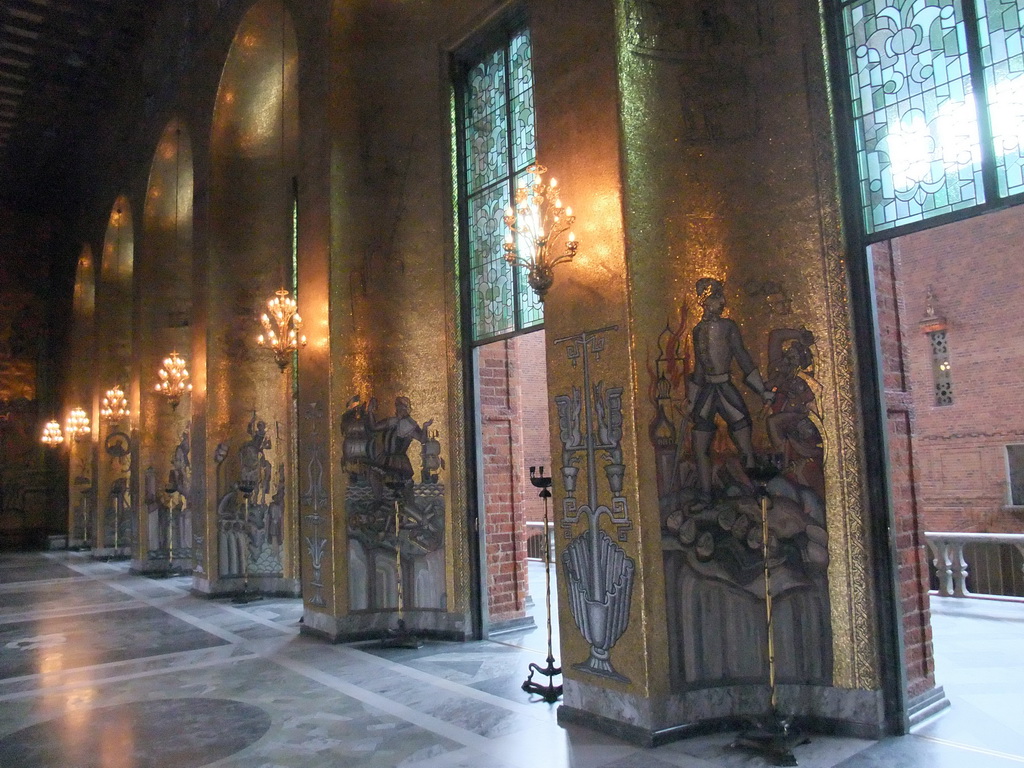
[503, 513]
[900, 412]
[976, 268]
[512, 380]
[531, 380]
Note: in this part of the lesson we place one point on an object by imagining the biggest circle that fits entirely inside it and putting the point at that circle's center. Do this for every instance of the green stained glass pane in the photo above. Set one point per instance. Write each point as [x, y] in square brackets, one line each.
[521, 69]
[1002, 51]
[524, 150]
[499, 143]
[531, 309]
[916, 128]
[491, 280]
[486, 122]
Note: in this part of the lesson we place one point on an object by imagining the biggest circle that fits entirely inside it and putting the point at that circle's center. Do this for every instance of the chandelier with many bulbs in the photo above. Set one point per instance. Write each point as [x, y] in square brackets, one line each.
[115, 406]
[77, 425]
[174, 379]
[536, 223]
[52, 435]
[282, 328]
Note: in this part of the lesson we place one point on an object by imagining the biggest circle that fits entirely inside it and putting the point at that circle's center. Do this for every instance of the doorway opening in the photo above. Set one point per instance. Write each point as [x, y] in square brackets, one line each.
[951, 349]
[512, 428]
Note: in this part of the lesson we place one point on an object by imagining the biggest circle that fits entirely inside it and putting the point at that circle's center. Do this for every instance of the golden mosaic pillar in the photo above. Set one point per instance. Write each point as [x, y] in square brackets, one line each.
[247, 411]
[113, 440]
[163, 493]
[698, 145]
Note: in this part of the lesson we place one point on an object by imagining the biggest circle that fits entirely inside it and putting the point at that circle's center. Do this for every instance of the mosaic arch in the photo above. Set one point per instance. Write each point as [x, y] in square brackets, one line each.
[249, 421]
[165, 511]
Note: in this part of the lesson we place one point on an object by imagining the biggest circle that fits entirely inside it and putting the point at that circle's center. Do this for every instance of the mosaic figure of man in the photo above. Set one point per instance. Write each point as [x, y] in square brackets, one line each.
[716, 344]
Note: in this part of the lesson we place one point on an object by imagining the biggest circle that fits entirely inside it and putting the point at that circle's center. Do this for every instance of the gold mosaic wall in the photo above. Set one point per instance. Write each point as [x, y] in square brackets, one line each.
[165, 314]
[730, 171]
[253, 150]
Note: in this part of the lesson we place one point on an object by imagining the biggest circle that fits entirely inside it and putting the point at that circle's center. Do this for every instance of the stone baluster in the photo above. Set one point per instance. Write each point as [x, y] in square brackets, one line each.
[960, 569]
[951, 567]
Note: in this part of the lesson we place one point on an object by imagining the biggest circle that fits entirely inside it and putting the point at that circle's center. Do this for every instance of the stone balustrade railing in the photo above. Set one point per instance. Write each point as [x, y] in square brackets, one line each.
[952, 567]
[535, 540]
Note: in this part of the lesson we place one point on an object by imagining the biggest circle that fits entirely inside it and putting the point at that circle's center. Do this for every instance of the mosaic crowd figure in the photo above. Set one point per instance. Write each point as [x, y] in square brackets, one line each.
[256, 469]
[791, 427]
[398, 432]
[181, 467]
[712, 543]
[380, 473]
[717, 343]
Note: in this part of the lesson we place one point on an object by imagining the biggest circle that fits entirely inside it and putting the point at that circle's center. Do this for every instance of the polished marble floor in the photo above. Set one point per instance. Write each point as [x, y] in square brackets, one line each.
[102, 669]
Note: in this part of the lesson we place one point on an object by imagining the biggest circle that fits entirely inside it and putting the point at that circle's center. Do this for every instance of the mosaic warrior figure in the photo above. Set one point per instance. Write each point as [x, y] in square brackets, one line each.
[396, 435]
[256, 469]
[717, 343]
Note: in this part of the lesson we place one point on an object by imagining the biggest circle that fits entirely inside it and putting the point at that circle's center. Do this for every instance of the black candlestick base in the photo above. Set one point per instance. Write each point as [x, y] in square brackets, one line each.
[550, 692]
[401, 637]
[773, 737]
[246, 596]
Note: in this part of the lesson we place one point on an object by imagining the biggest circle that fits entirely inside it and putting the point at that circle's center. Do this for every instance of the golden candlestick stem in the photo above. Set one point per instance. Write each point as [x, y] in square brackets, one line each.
[398, 563]
[768, 600]
[170, 533]
[547, 577]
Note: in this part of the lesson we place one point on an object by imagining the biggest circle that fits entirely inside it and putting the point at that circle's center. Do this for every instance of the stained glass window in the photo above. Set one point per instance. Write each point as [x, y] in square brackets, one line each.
[1015, 467]
[941, 368]
[916, 126]
[931, 136]
[497, 145]
[1000, 23]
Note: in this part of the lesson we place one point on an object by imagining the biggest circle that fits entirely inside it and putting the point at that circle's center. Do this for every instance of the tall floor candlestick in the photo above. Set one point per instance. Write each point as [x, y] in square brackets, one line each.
[401, 636]
[246, 596]
[773, 736]
[550, 692]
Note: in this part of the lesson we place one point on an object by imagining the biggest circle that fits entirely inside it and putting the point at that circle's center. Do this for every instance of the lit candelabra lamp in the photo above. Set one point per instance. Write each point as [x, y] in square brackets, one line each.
[77, 425]
[52, 435]
[115, 406]
[282, 328]
[174, 381]
[536, 223]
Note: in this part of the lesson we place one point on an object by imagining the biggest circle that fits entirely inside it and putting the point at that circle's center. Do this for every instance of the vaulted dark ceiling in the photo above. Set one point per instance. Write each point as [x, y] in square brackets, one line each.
[60, 61]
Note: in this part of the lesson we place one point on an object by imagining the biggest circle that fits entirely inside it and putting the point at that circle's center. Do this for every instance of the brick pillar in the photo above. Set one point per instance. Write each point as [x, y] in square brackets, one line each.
[910, 544]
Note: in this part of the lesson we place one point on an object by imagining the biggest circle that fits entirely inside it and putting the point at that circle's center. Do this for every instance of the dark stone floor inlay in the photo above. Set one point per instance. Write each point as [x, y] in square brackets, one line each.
[166, 733]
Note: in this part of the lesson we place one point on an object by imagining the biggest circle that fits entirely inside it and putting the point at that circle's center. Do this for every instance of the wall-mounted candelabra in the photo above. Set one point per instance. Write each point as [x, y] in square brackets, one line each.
[536, 223]
[282, 328]
[52, 435]
[115, 406]
[174, 379]
[77, 426]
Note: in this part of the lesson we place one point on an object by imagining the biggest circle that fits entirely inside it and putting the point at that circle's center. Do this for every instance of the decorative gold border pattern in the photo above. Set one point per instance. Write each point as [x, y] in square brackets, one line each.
[856, 658]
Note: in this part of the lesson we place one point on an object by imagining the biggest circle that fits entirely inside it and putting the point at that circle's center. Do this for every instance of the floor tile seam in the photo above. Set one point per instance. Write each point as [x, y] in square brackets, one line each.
[31, 586]
[385, 705]
[440, 682]
[413, 716]
[184, 655]
[70, 687]
[223, 607]
[63, 613]
[970, 748]
[256, 619]
[159, 604]
[542, 654]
